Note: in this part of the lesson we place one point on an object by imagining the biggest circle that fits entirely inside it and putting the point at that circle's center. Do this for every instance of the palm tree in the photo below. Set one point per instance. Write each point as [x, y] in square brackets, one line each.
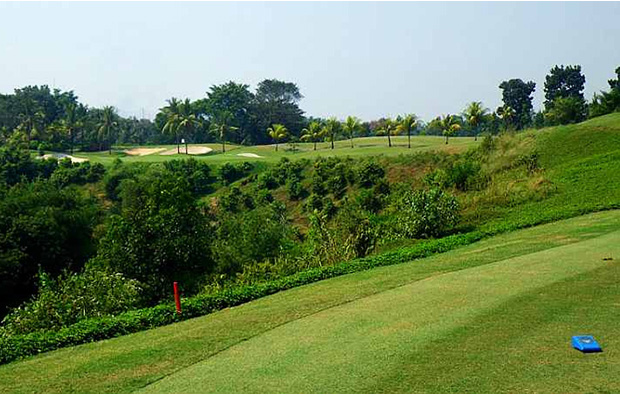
[221, 126]
[277, 132]
[475, 114]
[350, 126]
[107, 125]
[187, 120]
[388, 128]
[407, 124]
[172, 114]
[449, 126]
[332, 126]
[313, 133]
[31, 119]
[506, 113]
[70, 124]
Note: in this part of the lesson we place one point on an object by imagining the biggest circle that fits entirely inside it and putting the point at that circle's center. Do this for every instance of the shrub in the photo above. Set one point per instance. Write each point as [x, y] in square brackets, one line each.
[427, 213]
[294, 189]
[369, 173]
[72, 298]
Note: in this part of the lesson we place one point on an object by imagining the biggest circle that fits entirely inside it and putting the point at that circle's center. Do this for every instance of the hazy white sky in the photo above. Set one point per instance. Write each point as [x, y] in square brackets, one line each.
[366, 59]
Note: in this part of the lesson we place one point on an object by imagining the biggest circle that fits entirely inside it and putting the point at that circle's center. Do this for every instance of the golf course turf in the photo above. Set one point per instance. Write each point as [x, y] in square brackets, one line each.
[495, 316]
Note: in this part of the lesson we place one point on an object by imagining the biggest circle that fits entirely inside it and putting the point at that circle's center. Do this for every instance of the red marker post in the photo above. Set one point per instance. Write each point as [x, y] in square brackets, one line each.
[177, 299]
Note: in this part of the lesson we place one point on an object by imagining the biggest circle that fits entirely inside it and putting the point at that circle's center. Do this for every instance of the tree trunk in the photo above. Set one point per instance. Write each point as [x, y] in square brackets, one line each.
[71, 134]
[408, 139]
[446, 139]
[223, 146]
[276, 145]
[315, 145]
[186, 148]
[351, 141]
[332, 141]
[389, 140]
[178, 147]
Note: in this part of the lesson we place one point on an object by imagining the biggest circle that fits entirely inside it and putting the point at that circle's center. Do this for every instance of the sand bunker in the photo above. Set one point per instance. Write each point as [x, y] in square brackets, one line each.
[249, 155]
[190, 150]
[63, 156]
[143, 151]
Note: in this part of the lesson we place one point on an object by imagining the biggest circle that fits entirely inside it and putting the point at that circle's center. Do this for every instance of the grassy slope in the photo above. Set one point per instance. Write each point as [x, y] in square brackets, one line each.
[363, 147]
[380, 343]
[129, 363]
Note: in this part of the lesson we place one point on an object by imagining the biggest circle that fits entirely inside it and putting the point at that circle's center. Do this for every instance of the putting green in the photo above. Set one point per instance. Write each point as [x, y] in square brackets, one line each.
[377, 343]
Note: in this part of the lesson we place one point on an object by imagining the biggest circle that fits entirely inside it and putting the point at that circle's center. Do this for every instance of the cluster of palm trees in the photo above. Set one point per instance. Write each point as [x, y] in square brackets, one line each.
[180, 120]
[317, 131]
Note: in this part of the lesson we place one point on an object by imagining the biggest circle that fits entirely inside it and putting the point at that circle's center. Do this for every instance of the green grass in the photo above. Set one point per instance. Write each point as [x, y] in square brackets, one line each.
[364, 146]
[396, 328]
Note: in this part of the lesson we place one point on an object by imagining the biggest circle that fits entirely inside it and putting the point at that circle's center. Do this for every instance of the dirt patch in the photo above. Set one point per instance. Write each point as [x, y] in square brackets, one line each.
[143, 151]
[191, 150]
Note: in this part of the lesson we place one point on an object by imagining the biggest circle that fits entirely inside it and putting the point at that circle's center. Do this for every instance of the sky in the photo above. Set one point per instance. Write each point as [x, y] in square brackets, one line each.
[368, 59]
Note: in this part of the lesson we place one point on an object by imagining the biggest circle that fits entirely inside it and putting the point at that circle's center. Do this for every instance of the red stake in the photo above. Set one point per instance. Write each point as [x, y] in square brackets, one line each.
[177, 299]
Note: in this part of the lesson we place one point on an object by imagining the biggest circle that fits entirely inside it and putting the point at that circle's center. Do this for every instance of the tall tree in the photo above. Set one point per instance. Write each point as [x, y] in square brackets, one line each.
[449, 126]
[389, 127]
[172, 114]
[407, 124]
[313, 133]
[187, 120]
[107, 126]
[518, 95]
[565, 83]
[331, 128]
[31, 118]
[277, 132]
[276, 102]
[475, 114]
[350, 126]
[235, 99]
[221, 125]
[71, 123]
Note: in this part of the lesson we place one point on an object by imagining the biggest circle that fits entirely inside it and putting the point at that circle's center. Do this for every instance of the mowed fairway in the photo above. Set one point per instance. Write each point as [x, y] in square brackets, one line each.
[363, 146]
[495, 316]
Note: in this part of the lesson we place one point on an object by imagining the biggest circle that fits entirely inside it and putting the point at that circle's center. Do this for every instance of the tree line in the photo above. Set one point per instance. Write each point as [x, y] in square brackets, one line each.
[47, 119]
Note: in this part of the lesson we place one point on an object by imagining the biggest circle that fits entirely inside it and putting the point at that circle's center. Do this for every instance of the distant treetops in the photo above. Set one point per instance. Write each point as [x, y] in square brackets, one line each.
[46, 119]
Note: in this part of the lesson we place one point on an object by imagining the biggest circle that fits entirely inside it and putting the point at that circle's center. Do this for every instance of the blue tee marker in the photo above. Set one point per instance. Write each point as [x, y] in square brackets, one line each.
[585, 344]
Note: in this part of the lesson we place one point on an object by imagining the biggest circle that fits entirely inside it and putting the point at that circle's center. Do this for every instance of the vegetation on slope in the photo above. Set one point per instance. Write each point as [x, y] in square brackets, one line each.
[128, 363]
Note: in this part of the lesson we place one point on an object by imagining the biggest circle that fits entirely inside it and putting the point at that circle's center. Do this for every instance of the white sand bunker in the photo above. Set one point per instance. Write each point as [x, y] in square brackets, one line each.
[250, 155]
[143, 151]
[195, 150]
[74, 159]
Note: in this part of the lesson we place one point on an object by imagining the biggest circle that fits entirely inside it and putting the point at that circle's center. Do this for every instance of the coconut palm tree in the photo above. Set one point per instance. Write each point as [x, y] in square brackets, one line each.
[107, 125]
[331, 127]
[220, 125]
[172, 114]
[313, 133]
[277, 132]
[475, 114]
[449, 126]
[388, 128]
[350, 126]
[407, 124]
[507, 114]
[70, 124]
[31, 119]
[187, 120]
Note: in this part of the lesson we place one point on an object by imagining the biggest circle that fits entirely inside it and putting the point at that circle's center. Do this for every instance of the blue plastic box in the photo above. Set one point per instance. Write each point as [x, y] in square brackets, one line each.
[585, 343]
